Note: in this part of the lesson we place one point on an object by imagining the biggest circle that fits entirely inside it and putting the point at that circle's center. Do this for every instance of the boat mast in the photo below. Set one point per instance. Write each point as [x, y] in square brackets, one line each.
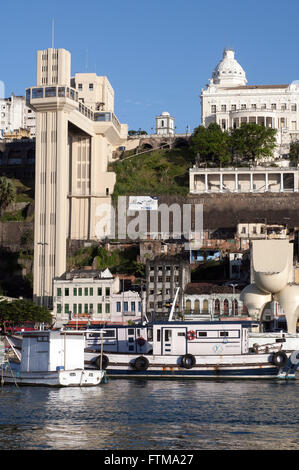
[173, 305]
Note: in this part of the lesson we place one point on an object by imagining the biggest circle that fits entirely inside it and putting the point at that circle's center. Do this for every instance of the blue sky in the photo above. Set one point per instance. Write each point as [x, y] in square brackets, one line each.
[157, 54]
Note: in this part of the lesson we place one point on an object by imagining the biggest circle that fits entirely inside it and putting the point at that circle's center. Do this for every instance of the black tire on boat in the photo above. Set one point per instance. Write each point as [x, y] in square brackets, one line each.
[105, 362]
[279, 359]
[188, 361]
[141, 363]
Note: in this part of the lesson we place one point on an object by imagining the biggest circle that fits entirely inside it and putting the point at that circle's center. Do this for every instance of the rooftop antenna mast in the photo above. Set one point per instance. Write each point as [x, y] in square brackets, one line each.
[52, 33]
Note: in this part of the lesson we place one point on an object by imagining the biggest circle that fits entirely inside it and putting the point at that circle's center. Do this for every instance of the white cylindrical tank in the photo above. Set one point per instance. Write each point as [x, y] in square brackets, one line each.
[254, 299]
[289, 300]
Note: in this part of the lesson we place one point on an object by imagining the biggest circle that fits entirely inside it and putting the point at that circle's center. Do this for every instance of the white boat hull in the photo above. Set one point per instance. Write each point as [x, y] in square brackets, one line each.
[61, 378]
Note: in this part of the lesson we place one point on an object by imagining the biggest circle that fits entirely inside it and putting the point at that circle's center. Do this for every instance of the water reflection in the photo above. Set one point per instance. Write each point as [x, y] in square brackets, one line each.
[140, 414]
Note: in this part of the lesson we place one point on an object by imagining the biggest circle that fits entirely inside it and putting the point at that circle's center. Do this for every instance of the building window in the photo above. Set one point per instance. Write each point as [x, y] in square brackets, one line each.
[66, 308]
[273, 106]
[213, 109]
[80, 308]
[132, 306]
[107, 291]
[91, 291]
[126, 306]
[75, 291]
[243, 106]
[58, 308]
[58, 291]
[80, 86]
[107, 308]
[263, 106]
[118, 306]
[66, 292]
[253, 106]
[139, 306]
[99, 308]
[223, 107]
[293, 107]
[80, 291]
[234, 107]
[74, 308]
[85, 308]
[85, 291]
[91, 86]
[99, 291]
[283, 106]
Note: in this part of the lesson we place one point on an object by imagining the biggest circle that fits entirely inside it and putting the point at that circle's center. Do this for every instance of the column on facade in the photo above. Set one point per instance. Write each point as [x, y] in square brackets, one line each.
[251, 182]
[266, 182]
[221, 182]
[191, 181]
[206, 183]
[281, 182]
[236, 182]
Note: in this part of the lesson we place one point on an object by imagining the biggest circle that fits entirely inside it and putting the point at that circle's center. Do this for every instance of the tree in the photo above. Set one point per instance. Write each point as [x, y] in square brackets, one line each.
[294, 153]
[19, 311]
[212, 144]
[7, 193]
[251, 142]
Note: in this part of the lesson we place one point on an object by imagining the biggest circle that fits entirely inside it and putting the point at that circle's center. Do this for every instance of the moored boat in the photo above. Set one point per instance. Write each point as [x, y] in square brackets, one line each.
[187, 350]
[50, 358]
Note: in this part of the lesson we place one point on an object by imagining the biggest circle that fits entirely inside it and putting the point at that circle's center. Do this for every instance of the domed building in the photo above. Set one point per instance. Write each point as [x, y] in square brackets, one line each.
[230, 101]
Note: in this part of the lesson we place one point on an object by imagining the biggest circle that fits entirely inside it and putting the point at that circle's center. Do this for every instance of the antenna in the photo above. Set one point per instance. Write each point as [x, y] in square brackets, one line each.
[52, 33]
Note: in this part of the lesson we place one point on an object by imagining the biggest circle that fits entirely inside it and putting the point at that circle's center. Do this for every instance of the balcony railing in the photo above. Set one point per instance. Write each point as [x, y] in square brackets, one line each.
[68, 92]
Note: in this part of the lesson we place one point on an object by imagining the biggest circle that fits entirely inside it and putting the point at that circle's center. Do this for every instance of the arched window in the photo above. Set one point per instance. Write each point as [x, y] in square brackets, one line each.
[225, 307]
[235, 309]
[188, 305]
[217, 307]
[196, 306]
[205, 306]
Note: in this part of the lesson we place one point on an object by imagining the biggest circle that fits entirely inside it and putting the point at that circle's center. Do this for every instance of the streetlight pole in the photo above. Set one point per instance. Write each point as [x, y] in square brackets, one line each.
[233, 286]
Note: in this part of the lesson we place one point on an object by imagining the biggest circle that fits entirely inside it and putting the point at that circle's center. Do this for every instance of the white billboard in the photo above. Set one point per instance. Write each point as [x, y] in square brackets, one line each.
[143, 203]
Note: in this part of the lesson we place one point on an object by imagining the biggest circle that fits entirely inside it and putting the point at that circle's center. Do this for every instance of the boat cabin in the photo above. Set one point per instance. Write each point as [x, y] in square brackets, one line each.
[52, 350]
[173, 338]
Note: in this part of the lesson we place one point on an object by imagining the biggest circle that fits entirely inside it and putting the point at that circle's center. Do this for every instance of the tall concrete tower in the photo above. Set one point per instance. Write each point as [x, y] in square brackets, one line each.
[76, 134]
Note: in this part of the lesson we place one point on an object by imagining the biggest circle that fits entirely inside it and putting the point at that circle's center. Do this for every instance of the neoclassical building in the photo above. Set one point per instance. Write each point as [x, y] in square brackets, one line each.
[230, 101]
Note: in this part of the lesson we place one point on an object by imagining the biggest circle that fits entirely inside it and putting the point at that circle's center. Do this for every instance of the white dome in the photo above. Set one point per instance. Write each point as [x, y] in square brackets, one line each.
[229, 72]
[165, 113]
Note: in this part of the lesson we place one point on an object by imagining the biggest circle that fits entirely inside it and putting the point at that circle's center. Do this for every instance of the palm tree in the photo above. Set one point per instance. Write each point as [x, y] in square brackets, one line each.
[7, 193]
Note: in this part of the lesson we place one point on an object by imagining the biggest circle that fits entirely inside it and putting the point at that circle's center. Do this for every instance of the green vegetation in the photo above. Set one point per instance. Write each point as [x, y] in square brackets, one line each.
[19, 311]
[212, 144]
[294, 153]
[7, 193]
[118, 261]
[156, 173]
[245, 144]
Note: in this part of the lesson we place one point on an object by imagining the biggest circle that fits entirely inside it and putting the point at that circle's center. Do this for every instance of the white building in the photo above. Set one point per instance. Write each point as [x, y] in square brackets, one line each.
[165, 124]
[229, 101]
[243, 180]
[94, 295]
[15, 114]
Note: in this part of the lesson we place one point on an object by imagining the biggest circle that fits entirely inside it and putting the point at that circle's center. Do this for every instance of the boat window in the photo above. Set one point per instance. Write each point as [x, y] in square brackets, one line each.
[131, 340]
[201, 333]
[159, 335]
[181, 334]
[223, 333]
[150, 334]
[109, 334]
[43, 339]
[168, 335]
[131, 331]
